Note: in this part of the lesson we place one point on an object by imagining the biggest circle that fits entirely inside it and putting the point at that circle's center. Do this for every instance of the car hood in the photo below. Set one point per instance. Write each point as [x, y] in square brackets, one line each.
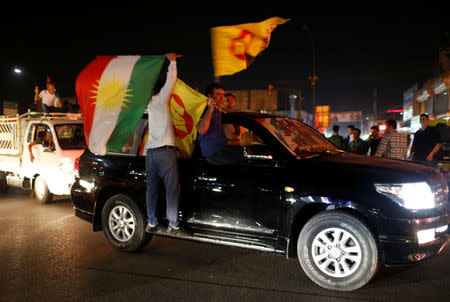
[360, 167]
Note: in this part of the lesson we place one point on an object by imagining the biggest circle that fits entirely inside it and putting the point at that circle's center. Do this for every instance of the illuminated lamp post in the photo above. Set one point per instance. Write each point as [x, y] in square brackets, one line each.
[314, 77]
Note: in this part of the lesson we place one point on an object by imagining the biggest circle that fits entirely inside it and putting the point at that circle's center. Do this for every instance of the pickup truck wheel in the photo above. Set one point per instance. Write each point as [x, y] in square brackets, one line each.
[337, 251]
[41, 190]
[3, 184]
[123, 224]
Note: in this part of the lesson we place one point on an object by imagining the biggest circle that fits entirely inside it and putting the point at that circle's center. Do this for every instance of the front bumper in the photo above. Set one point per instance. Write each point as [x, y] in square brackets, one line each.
[425, 238]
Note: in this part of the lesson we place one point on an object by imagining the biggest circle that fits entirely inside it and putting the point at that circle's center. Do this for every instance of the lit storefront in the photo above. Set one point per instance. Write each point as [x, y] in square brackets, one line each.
[432, 98]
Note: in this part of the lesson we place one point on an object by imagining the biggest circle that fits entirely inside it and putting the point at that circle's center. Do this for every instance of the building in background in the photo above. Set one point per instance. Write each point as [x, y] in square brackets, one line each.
[9, 107]
[431, 98]
[280, 101]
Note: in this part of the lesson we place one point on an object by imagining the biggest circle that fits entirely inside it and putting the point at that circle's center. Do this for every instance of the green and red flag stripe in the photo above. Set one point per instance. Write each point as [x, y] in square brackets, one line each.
[113, 92]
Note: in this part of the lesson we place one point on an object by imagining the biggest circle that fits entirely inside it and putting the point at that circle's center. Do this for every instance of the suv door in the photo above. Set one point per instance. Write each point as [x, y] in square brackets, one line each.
[243, 197]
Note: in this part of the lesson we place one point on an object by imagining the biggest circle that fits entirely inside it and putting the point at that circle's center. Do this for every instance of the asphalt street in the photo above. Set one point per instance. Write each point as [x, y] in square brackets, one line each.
[48, 254]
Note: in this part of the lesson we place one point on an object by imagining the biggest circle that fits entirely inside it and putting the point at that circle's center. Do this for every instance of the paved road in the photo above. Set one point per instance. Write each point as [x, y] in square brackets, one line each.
[48, 254]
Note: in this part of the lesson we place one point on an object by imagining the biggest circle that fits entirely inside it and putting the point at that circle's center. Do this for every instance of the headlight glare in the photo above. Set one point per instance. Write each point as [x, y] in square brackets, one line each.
[66, 165]
[413, 196]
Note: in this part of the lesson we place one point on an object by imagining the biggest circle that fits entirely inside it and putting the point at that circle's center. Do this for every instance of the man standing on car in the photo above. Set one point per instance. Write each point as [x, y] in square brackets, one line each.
[161, 159]
[426, 143]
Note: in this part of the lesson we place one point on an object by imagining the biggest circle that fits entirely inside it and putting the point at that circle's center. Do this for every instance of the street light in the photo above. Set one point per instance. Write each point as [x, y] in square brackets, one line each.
[312, 78]
[17, 70]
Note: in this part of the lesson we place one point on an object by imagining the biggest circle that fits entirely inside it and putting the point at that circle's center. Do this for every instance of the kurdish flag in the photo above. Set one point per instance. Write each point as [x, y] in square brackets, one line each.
[113, 92]
[186, 107]
[235, 47]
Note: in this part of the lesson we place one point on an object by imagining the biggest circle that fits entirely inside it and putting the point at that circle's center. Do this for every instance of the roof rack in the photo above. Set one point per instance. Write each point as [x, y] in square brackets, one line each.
[51, 115]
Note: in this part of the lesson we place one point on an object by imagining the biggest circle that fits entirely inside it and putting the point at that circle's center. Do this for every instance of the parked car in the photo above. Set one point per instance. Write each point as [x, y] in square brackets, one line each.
[292, 193]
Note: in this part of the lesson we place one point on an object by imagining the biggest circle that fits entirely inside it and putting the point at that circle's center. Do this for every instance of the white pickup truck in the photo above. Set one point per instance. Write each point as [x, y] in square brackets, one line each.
[51, 171]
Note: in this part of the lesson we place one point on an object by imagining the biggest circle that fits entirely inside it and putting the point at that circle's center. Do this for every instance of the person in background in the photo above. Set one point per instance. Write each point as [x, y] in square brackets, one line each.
[45, 139]
[349, 137]
[49, 97]
[358, 145]
[374, 140]
[232, 132]
[230, 101]
[393, 144]
[336, 138]
[426, 142]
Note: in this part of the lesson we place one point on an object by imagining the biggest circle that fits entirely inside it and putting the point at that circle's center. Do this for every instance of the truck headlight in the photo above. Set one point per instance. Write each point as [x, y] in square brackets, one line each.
[413, 196]
[66, 165]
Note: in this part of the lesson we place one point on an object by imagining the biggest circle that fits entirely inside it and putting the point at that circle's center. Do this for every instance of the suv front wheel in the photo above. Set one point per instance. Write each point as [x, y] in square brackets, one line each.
[123, 224]
[337, 251]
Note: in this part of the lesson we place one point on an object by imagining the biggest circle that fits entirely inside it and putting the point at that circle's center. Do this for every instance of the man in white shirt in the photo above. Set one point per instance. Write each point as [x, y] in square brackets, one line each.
[49, 97]
[161, 159]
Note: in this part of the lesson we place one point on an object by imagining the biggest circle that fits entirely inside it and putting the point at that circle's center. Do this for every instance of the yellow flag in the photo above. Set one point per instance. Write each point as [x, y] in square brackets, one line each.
[186, 108]
[235, 47]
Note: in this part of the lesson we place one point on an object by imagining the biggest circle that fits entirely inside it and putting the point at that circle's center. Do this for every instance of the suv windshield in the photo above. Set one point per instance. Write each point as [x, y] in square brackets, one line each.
[296, 136]
[70, 136]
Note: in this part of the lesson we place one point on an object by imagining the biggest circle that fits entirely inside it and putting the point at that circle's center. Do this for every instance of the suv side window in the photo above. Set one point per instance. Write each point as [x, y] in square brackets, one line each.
[253, 147]
[133, 143]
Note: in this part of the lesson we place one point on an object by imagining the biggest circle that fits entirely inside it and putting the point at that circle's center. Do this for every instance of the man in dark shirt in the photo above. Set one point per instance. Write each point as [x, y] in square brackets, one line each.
[336, 138]
[358, 145]
[426, 143]
[374, 140]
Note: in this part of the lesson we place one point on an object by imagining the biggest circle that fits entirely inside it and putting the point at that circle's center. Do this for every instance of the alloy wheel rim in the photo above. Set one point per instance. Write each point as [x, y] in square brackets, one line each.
[336, 252]
[121, 223]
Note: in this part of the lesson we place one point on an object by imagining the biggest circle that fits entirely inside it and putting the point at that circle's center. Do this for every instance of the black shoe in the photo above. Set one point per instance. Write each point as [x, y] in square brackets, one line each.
[151, 228]
[177, 231]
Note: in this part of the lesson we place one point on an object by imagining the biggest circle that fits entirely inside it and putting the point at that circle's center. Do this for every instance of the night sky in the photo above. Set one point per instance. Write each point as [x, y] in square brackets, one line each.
[386, 49]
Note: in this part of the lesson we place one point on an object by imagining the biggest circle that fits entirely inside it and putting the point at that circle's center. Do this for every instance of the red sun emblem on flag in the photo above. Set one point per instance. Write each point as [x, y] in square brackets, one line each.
[182, 120]
[240, 40]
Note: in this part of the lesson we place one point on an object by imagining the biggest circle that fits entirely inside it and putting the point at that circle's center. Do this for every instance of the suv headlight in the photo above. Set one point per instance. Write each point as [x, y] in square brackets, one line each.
[413, 196]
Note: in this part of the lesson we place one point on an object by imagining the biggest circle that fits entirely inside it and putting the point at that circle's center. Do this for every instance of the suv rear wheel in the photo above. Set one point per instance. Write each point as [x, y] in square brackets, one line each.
[337, 251]
[123, 224]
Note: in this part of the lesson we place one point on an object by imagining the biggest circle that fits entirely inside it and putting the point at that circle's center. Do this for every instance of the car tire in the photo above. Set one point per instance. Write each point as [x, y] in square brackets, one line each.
[41, 191]
[123, 223]
[3, 183]
[337, 251]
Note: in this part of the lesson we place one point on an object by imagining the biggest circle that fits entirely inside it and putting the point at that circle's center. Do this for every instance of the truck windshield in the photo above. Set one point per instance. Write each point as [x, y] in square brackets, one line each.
[297, 137]
[70, 136]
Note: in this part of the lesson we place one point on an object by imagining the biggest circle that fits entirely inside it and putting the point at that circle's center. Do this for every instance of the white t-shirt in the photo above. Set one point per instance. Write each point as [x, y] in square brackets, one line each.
[160, 127]
[48, 98]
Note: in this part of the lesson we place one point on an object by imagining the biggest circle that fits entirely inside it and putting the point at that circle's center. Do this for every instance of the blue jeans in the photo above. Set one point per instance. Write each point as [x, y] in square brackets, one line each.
[162, 166]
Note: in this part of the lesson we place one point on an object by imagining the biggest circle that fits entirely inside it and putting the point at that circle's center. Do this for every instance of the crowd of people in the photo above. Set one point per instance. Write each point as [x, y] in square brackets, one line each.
[424, 147]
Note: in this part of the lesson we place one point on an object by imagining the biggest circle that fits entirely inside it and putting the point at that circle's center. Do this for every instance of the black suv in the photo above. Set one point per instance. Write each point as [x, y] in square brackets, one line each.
[293, 193]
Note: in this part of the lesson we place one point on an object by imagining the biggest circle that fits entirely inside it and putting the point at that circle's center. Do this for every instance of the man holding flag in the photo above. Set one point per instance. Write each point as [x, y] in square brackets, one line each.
[161, 158]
